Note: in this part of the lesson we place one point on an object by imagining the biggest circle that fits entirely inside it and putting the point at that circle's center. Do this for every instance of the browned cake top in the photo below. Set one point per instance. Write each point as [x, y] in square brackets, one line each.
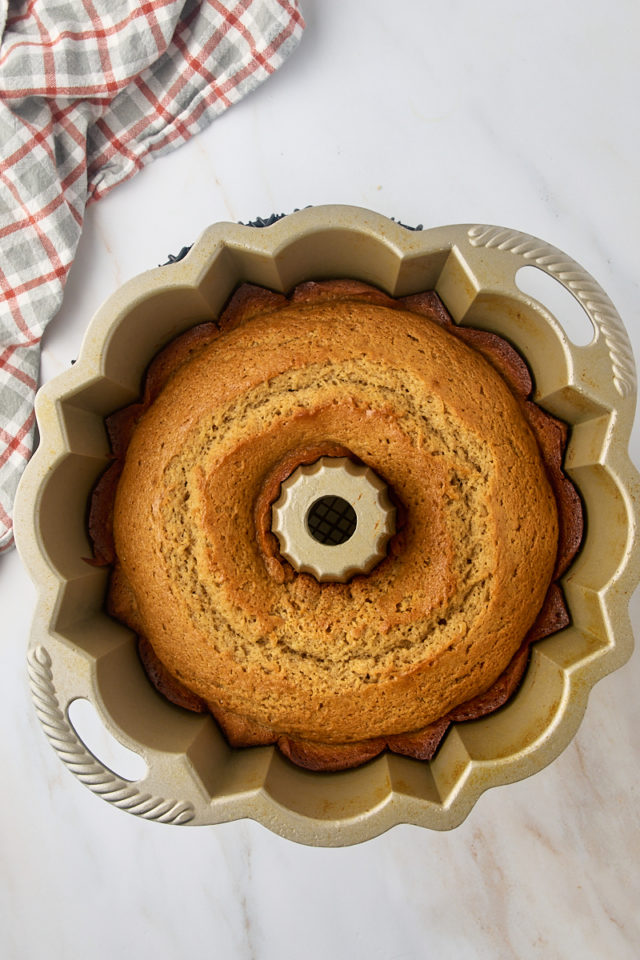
[435, 624]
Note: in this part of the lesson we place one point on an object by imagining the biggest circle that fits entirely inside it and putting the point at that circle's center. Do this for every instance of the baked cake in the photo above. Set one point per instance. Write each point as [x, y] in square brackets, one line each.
[440, 629]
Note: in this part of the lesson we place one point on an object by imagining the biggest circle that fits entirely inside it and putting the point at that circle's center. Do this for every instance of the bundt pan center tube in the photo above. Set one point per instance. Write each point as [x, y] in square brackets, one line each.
[77, 651]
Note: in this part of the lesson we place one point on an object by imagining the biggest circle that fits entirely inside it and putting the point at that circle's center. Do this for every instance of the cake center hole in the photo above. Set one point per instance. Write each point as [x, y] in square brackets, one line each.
[331, 520]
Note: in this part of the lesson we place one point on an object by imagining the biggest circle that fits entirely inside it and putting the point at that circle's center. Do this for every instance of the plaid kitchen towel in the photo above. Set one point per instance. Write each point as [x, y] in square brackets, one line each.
[91, 91]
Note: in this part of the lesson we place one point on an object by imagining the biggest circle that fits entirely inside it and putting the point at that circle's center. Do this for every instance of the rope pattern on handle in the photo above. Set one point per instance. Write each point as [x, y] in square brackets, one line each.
[581, 284]
[82, 763]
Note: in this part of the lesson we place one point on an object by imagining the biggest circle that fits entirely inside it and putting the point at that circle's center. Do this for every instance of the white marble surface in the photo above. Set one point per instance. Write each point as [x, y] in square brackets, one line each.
[517, 114]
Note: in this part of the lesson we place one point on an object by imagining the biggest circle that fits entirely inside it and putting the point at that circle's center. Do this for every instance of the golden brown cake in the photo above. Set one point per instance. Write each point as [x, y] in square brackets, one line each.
[439, 630]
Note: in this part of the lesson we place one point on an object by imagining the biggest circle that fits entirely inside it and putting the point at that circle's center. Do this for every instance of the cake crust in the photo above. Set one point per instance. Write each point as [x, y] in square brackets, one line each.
[260, 687]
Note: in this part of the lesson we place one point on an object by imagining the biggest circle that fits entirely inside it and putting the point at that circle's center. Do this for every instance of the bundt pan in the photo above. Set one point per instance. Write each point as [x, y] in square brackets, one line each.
[78, 651]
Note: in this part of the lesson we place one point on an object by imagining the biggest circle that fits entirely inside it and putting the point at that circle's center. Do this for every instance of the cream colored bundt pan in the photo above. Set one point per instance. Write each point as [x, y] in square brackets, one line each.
[77, 651]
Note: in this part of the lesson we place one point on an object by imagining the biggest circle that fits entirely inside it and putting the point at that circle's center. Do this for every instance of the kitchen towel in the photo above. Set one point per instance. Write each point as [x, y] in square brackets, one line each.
[90, 92]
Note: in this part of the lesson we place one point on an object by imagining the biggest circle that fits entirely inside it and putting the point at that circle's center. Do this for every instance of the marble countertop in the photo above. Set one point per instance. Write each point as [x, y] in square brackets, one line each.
[523, 115]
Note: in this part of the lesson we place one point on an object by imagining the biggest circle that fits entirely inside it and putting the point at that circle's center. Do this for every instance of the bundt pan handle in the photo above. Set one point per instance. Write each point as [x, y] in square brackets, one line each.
[610, 345]
[52, 708]
[76, 651]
